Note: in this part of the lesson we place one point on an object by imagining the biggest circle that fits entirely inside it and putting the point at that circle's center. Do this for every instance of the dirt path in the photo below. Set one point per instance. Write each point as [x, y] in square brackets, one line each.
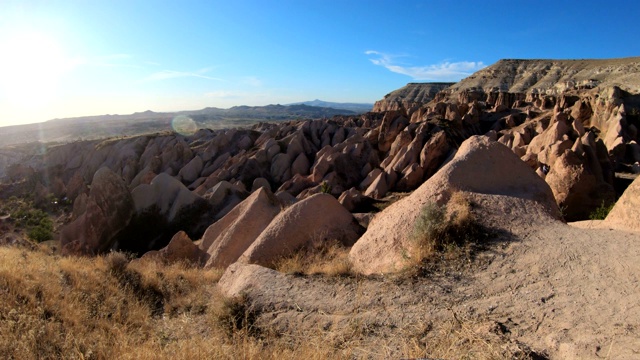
[573, 291]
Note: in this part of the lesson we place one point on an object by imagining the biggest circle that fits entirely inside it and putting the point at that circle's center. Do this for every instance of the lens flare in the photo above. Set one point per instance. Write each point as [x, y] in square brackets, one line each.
[184, 125]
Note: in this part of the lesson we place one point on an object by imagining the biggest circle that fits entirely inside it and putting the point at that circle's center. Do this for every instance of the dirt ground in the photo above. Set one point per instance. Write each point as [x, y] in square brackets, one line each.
[563, 291]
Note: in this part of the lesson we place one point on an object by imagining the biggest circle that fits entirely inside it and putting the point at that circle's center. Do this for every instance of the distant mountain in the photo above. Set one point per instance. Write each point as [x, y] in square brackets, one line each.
[102, 126]
[355, 107]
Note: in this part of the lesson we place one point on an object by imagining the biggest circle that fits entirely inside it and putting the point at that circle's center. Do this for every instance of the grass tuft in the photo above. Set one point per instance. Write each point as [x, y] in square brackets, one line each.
[445, 228]
[327, 258]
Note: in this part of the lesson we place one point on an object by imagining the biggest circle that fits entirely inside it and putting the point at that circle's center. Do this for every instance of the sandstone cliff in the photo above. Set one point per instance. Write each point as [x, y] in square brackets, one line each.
[410, 95]
[553, 77]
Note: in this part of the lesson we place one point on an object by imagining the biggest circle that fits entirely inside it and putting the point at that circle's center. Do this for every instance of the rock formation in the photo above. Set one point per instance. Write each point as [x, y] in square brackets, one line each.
[573, 122]
[109, 208]
[626, 212]
[315, 219]
[501, 184]
[228, 238]
[180, 249]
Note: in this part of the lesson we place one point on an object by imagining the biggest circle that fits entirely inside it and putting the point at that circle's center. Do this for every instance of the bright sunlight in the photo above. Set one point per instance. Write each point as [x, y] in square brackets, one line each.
[31, 68]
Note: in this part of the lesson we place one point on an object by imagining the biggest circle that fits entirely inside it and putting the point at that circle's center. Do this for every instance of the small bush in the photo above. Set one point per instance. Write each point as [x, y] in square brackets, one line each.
[601, 212]
[441, 228]
[37, 223]
[235, 314]
[41, 232]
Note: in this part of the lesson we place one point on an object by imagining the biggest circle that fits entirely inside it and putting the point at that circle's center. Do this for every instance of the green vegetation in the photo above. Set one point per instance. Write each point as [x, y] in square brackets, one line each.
[601, 212]
[325, 188]
[36, 222]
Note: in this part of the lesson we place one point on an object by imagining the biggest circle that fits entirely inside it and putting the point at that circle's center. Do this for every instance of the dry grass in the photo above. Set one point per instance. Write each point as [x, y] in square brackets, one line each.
[327, 258]
[458, 338]
[445, 229]
[110, 307]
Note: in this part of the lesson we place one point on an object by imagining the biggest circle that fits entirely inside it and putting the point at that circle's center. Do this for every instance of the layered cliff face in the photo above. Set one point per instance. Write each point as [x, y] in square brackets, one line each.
[413, 94]
[553, 77]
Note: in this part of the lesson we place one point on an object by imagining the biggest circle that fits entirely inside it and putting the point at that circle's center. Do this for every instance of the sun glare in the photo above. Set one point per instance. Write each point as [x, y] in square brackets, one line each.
[31, 68]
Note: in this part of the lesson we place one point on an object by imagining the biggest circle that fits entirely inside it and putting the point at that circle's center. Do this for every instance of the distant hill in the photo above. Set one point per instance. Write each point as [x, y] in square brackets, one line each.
[102, 126]
[355, 107]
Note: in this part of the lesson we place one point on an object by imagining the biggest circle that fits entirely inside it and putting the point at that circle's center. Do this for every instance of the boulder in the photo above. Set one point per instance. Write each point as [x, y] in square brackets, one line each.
[434, 152]
[350, 199]
[368, 180]
[297, 184]
[412, 177]
[239, 279]
[166, 193]
[576, 186]
[109, 209]
[378, 187]
[179, 249]
[281, 168]
[286, 198]
[260, 183]
[300, 165]
[324, 158]
[226, 239]
[488, 170]
[190, 172]
[550, 136]
[392, 124]
[626, 212]
[315, 219]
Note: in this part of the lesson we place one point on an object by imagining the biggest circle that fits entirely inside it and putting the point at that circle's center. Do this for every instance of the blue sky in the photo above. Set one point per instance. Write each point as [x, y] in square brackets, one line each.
[74, 58]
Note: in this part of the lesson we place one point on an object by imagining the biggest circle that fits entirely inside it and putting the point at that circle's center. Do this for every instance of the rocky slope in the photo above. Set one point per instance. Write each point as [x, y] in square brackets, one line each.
[410, 95]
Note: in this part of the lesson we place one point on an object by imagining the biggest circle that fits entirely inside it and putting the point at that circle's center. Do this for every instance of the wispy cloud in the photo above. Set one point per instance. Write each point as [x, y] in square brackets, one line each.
[445, 71]
[252, 81]
[223, 94]
[172, 74]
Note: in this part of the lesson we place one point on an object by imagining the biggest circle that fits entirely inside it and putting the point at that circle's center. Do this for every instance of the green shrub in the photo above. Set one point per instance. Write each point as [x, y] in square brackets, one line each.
[41, 232]
[601, 212]
[36, 222]
[325, 188]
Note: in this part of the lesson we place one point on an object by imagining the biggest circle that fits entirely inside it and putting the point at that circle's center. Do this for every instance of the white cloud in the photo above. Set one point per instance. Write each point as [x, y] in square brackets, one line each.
[172, 74]
[223, 94]
[252, 80]
[445, 71]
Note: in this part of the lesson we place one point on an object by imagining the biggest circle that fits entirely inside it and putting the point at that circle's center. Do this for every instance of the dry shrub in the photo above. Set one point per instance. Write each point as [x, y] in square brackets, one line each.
[235, 315]
[325, 257]
[445, 228]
